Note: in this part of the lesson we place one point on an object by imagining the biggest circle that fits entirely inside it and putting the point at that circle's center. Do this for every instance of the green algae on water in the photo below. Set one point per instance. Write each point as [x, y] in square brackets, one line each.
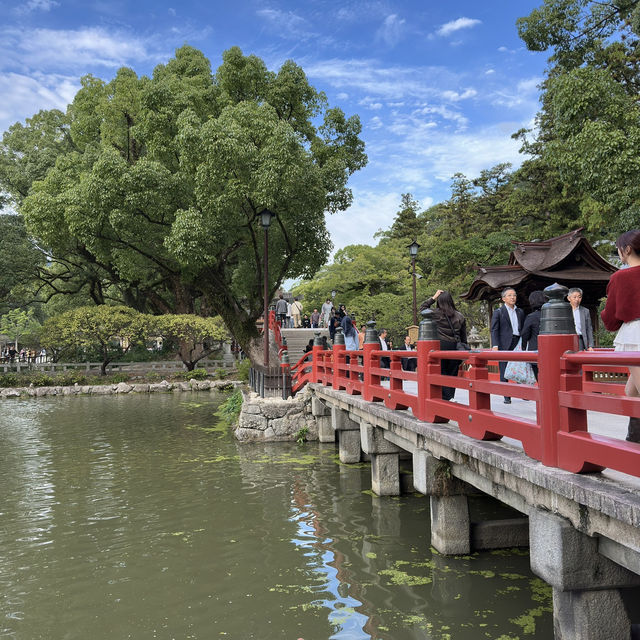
[399, 578]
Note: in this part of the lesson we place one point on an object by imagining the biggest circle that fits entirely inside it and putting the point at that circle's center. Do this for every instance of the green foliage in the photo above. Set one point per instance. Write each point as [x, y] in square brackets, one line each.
[117, 378]
[148, 191]
[197, 337]
[230, 409]
[242, 370]
[589, 128]
[301, 435]
[19, 258]
[18, 324]
[198, 374]
[111, 330]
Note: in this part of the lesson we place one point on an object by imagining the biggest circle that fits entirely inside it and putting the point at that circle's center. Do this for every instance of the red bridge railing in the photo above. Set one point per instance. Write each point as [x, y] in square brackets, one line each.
[566, 390]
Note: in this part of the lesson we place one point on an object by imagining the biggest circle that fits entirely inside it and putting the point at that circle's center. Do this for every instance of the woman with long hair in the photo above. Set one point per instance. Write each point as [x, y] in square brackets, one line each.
[452, 329]
[350, 334]
[622, 313]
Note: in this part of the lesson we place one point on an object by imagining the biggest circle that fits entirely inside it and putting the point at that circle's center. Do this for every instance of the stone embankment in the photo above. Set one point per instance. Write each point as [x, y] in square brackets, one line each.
[274, 419]
[120, 388]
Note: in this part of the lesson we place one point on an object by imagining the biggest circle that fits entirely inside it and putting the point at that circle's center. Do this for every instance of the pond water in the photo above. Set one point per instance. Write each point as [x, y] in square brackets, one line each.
[139, 516]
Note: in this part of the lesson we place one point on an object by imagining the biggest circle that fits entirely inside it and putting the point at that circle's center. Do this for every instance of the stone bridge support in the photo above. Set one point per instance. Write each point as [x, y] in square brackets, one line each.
[588, 589]
[322, 414]
[385, 460]
[348, 433]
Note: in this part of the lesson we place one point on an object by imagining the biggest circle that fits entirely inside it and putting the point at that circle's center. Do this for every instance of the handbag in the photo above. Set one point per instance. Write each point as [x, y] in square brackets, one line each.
[520, 372]
[460, 346]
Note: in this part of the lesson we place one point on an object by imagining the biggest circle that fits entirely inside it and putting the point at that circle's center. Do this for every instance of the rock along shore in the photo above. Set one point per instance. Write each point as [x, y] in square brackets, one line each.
[120, 388]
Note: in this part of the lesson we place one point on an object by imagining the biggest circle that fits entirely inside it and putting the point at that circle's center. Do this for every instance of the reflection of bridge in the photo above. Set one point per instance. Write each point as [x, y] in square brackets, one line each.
[583, 529]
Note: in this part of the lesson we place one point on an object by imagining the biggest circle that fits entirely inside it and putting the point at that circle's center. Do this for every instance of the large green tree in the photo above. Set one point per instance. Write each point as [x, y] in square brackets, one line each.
[155, 197]
[589, 125]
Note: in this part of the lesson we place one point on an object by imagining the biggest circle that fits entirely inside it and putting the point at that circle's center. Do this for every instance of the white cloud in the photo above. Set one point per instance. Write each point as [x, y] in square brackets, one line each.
[456, 25]
[23, 96]
[391, 30]
[71, 49]
[370, 211]
[393, 83]
[454, 96]
[286, 24]
[36, 5]
[525, 93]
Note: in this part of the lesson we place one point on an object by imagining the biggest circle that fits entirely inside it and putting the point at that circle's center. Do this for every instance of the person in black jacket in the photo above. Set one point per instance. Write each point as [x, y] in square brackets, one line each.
[452, 328]
[506, 325]
[531, 326]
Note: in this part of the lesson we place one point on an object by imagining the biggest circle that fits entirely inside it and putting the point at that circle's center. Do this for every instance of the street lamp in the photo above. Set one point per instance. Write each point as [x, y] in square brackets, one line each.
[265, 219]
[413, 252]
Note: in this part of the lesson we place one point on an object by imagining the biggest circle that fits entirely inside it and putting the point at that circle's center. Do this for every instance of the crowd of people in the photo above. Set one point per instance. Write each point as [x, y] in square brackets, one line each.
[510, 327]
[11, 354]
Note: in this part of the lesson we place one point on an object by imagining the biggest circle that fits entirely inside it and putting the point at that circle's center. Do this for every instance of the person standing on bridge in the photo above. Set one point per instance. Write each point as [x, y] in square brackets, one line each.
[506, 325]
[296, 312]
[325, 312]
[622, 313]
[581, 319]
[452, 329]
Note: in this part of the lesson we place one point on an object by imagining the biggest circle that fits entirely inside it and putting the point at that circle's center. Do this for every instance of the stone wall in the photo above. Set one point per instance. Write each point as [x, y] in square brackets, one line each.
[274, 419]
[122, 387]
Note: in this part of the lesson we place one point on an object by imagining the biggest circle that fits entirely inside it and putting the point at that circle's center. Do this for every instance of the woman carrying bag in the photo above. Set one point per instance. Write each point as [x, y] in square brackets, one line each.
[452, 333]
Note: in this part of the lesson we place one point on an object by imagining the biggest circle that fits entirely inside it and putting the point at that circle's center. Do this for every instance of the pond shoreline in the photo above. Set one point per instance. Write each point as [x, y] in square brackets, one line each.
[120, 388]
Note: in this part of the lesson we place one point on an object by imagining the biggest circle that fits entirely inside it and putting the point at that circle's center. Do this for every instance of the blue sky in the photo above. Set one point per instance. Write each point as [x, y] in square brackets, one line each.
[439, 86]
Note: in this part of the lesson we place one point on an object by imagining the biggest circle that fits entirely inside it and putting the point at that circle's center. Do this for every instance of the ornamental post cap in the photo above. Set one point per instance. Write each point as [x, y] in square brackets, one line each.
[371, 335]
[428, 330]
[556, 316]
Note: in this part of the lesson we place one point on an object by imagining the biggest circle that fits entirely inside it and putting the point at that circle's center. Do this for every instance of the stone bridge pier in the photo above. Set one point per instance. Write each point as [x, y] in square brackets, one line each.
[583, 531]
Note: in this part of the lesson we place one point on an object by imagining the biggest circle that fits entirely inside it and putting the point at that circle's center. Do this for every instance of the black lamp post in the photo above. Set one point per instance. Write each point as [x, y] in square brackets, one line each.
[265, 219]
[413, 252]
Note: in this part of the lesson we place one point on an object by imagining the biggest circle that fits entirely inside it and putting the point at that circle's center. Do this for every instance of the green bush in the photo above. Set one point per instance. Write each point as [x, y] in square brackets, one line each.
[117, 378]
[10, 380]
[40, 379]
[242, 370]
[69, 378]
[221, 374]
[229, 410]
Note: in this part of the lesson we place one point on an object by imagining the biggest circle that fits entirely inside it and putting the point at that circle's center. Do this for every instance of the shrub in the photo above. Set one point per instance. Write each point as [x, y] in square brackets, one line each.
[242, 370]
[10, 380]
[117, 378]
[39, 379]
[229, 410]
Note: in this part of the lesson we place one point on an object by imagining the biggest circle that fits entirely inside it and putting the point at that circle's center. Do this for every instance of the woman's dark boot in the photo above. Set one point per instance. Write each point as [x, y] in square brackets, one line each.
[633, 434]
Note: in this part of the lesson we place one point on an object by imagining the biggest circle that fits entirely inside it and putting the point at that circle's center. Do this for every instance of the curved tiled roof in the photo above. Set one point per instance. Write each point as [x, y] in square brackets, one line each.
[568, 259]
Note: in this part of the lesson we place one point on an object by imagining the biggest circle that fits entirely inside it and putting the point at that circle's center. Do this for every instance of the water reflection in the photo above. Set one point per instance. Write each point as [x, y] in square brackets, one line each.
[139, 517]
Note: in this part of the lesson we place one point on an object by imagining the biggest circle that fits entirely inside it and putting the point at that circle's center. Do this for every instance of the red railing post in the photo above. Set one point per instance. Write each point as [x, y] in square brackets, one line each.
[316, 354]
[371, 343]
[557, 335]
[427, 366]
[338, 360]
[550, 351]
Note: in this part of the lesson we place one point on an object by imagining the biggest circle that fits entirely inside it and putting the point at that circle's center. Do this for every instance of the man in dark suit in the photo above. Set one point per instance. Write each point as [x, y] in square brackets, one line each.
[582, 319]
[506, 325]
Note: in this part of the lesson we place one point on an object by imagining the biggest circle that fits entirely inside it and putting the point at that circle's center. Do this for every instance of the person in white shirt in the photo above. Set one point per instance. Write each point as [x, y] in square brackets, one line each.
[506, 324]
[582, 319]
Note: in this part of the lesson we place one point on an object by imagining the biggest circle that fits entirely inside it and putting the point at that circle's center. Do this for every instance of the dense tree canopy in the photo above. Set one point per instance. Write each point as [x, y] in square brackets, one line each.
[148, 190]
[589, 125]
